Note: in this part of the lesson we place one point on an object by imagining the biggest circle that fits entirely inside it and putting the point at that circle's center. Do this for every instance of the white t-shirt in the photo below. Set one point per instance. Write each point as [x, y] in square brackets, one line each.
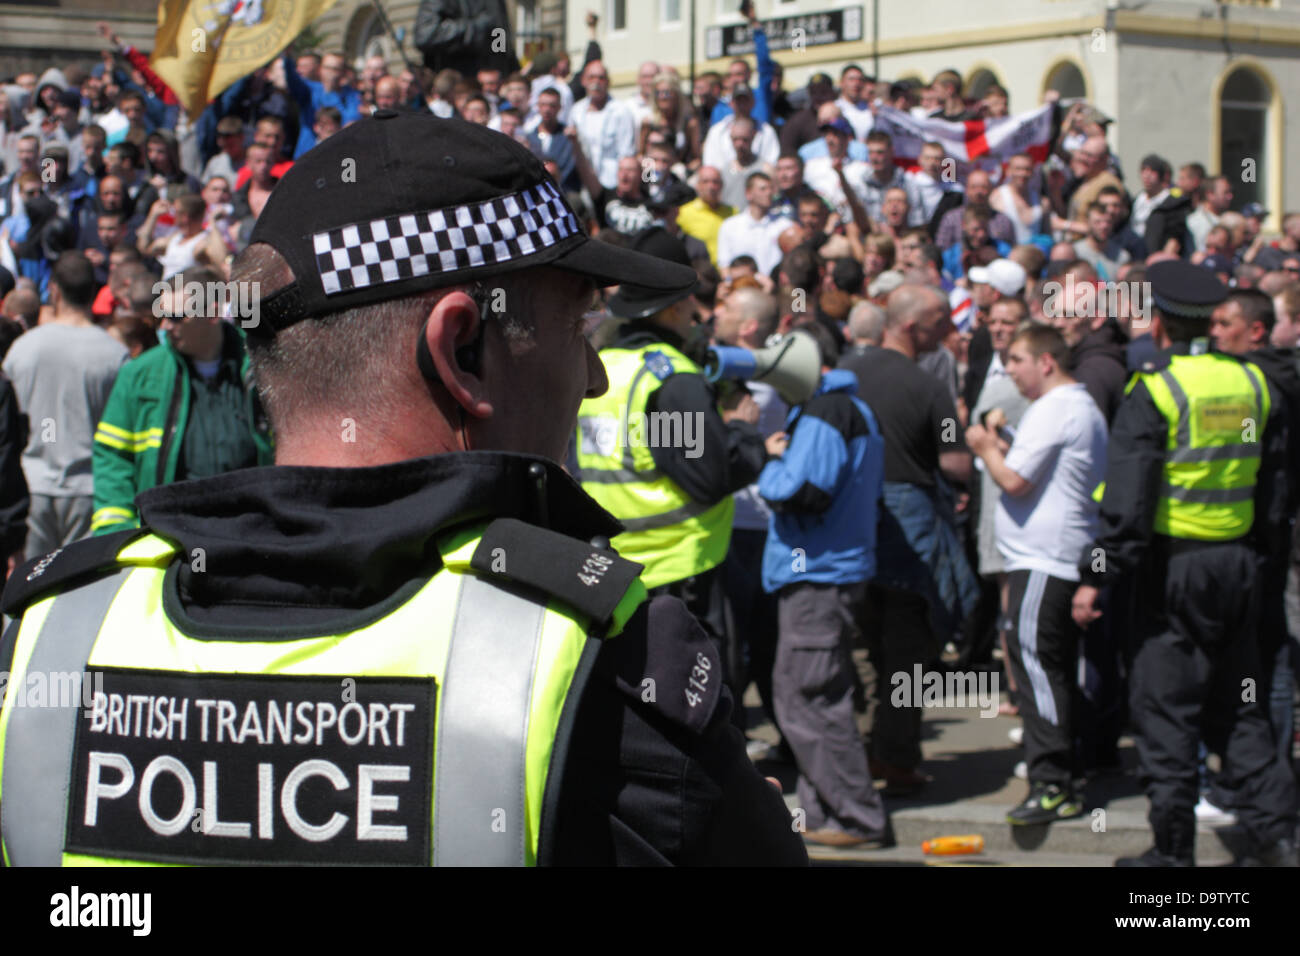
[1143, 206]
[180, 254]
[1060, 449]
[859, 116]
[743, 235]
[820, 176]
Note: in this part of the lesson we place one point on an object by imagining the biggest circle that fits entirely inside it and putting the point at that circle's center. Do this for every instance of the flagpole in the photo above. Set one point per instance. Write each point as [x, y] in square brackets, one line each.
[388, 26]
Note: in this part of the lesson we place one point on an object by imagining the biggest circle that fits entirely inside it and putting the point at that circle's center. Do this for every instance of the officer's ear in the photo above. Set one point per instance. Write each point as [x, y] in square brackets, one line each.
[447, 352]
[1157, 327]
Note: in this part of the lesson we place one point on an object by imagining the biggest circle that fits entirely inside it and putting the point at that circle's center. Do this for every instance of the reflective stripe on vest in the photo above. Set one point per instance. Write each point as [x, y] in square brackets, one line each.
[669, 532]
[36, 760]
[1216, 408]
[504, 667]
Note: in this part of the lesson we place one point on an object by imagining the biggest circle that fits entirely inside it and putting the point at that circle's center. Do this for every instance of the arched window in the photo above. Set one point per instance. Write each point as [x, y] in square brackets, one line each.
[1243, 135]
[1067, 80]
[366, 37]
[979, 83]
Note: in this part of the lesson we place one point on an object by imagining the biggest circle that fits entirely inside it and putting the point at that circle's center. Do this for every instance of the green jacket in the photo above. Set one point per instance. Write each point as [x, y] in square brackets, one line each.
[138, 441]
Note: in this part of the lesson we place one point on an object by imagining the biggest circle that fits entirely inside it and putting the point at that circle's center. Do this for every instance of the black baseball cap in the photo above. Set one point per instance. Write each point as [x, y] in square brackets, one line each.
[401, 202]
[636, 300]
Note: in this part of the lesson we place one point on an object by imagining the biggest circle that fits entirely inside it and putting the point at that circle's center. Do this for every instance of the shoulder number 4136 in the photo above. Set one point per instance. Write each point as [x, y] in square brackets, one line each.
[593, 568]
[699, 678]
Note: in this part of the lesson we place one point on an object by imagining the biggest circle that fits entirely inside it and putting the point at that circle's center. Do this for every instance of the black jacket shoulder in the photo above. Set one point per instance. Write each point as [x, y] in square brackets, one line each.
[657, 772]
[74, 563]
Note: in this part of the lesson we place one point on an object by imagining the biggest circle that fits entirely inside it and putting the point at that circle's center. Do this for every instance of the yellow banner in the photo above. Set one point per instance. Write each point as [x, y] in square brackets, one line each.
[203, 46]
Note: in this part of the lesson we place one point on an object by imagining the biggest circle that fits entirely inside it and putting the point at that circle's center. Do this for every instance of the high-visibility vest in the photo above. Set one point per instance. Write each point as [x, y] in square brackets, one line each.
[669, 532]
[1216, 408]
[425, 736]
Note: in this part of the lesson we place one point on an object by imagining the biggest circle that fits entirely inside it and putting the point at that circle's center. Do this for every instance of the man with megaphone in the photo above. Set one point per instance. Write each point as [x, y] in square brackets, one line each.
[655, 452]
[824, 491]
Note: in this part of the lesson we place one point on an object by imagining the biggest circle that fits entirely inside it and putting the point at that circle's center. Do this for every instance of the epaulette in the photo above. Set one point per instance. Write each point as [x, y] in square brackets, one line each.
[81, 559]
[659, 365]
[589, 577]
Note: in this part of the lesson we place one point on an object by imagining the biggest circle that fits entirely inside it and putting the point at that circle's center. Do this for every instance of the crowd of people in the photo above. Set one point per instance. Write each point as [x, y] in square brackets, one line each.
[986, 366]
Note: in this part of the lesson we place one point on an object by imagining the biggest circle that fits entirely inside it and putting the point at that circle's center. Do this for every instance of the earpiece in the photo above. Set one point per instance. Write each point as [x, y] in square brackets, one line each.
[467, 356]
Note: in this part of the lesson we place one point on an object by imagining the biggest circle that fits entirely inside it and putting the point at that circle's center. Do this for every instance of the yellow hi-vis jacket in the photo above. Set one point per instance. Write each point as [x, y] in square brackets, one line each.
[434, 734]
[669, 532]
[1216, 408]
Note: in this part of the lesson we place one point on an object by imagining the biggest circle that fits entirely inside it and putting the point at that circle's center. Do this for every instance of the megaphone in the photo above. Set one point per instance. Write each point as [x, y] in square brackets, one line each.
[793, 366]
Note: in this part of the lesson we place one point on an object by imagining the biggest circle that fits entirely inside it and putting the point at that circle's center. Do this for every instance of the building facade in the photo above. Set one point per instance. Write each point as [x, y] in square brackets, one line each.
[1191, 80]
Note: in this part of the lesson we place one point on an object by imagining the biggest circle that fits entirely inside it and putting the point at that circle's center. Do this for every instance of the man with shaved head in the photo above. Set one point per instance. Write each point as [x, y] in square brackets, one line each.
[705, 214]
[866, 326]
[642, 103]
[388, 93]
[746, 318]
[1090, 168]
[923, 585]
[791, 238]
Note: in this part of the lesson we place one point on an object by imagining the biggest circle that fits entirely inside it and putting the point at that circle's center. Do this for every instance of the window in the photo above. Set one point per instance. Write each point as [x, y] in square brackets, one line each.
[979, 83]
[617, 15]
[1243, 135]
[1067, 80]
[670, 11]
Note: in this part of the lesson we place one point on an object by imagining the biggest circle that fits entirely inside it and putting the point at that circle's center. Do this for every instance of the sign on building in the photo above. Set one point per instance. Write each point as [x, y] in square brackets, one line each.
[784, 33]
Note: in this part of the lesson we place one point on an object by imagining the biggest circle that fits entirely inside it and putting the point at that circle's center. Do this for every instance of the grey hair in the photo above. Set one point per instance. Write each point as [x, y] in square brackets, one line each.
[354, 361]
[867, 323]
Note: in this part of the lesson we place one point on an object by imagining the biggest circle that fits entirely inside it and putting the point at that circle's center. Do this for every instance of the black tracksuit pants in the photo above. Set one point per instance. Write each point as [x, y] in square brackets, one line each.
[1196, 673]
[1043, 653]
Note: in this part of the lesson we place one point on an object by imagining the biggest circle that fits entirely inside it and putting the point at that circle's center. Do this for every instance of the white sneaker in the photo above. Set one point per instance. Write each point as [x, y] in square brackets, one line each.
[1017, 735]
[757, 749]
[1206, 812]
[1022, 770]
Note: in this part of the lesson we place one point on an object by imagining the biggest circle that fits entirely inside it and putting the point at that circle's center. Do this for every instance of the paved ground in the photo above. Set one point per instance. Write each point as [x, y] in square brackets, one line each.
[971, 759]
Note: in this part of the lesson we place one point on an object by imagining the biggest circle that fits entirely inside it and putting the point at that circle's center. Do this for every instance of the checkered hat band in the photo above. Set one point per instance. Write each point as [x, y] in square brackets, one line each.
[1183, 308]
[366, 254]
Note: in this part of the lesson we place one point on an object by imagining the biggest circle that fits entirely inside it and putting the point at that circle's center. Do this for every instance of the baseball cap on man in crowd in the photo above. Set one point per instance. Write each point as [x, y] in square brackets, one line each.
[839, 124]
[1003, 275]
[401, 202]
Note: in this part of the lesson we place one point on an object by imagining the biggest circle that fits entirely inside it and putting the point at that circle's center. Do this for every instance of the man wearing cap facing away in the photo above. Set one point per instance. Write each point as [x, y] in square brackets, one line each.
[1189, 492]
[423, 646]
[655, 451]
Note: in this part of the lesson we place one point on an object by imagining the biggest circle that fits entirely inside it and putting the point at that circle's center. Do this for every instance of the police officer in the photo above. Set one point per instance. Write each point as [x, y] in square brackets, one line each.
[656, 453]
[1187, 447]
[409, 641]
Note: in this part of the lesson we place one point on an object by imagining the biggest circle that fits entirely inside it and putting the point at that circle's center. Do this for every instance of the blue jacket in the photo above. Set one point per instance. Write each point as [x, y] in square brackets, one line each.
[825, 491]
[921, 551]
[310, 96]
[952, 267]
[762, 112]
